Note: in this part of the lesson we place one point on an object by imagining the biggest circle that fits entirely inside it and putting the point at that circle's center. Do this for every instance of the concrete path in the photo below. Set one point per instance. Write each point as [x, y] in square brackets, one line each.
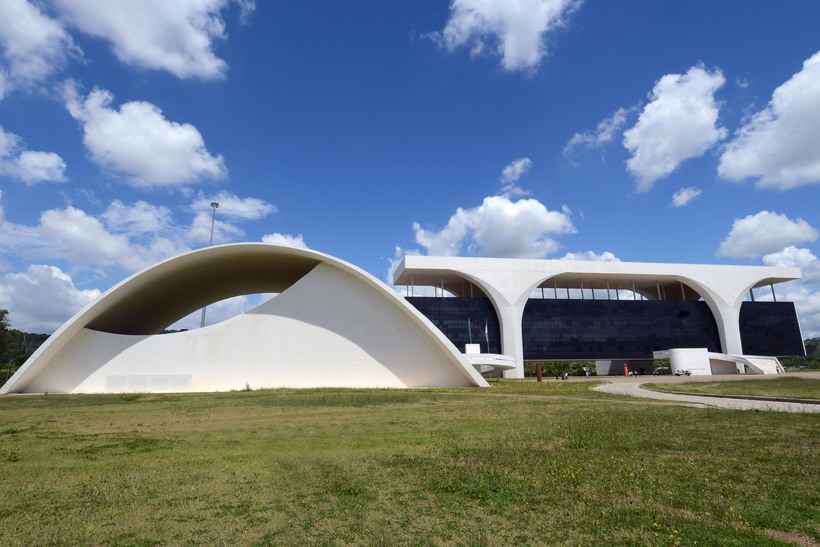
[634, 389]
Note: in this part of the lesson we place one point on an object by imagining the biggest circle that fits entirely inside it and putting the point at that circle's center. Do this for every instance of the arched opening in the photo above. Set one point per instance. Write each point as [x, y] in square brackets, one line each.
[219, 311]
[460, 309]
[576, 317]
[162, 296]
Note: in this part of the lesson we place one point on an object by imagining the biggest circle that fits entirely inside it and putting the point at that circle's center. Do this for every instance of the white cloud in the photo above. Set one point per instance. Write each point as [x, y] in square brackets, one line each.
[604, 133]
[176, 36]
[42, 298]
[794, 257]
[73, 235]
[778, 145]
[498, 227]
[200, 230]
[138, 143]
[232, 206]
[28, 166]
[685, 195]
[516, 29]
[678, 123]
[81, 238]
[287, 240]
[511, 174]
[592, 256]
[140, 218]
[33, 45]
[763, 233]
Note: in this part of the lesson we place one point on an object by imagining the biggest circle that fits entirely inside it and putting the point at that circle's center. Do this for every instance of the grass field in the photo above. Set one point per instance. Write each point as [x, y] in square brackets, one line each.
[801, 388]
[519, 463]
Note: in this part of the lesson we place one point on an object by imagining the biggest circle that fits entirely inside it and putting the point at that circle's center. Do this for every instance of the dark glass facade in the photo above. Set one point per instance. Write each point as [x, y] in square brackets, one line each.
[615, 329]
[463, 320]
[770, 328]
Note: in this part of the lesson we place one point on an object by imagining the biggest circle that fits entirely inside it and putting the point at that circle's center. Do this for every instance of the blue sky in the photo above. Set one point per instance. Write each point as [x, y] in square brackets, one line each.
[361, 129]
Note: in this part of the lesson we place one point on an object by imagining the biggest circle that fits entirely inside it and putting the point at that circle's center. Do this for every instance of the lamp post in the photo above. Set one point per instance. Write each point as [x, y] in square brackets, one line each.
[214, 207]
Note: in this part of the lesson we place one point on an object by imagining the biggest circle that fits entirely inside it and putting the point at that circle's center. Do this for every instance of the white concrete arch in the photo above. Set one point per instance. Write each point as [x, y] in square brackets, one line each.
[509, 282]
[712, 300]
[332, 325]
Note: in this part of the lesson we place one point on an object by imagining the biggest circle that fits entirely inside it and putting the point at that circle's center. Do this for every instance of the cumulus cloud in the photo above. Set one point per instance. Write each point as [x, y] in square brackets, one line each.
[679, 122]
[139, 218]
[72, 235]
[592, 256]
[287, 240]
[33, 46]
[511, 174]
[41, 298]
[515, 29]
[763, 233]
[177, 37]
[603, 134]
[26, 165]
[685, 195]
[138, 143]
[498, 227]
[795, 257]
[778, 145]
[200, 230]
[232, 206]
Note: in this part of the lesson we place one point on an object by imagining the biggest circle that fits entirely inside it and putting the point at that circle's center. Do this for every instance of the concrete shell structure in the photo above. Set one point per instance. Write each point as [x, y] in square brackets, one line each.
[331, 325]
[509, 283]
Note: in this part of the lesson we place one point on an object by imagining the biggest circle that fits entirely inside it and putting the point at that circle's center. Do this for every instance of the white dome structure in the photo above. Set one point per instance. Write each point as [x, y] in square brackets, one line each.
[330, 325]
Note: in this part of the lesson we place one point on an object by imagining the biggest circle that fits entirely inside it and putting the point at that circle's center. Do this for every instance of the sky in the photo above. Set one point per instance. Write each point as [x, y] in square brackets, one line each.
[641, 131]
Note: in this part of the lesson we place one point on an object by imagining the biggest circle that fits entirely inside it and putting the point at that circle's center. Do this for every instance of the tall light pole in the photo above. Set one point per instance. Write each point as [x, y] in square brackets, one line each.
[214, 207]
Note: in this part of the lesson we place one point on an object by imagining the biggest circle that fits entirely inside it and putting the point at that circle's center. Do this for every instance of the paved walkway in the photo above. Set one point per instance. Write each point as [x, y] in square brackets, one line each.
[634, 389]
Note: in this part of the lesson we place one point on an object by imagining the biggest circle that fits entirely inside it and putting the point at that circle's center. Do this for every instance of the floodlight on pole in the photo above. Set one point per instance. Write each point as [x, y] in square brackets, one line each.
[214, 207]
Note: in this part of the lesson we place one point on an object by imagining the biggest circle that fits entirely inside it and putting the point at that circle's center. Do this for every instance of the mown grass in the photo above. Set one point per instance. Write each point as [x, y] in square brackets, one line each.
[519, 463]
[799, 388]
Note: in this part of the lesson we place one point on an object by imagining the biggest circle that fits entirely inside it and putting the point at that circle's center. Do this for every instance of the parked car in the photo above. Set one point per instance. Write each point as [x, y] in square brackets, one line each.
[662, 371]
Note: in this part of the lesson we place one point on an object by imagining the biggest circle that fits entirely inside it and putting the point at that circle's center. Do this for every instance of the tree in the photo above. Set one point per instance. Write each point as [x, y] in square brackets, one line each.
[4, 336]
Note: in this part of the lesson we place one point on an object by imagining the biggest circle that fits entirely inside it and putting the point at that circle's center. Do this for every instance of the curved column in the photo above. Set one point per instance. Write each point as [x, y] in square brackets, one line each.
[512, 340]
[728, 322]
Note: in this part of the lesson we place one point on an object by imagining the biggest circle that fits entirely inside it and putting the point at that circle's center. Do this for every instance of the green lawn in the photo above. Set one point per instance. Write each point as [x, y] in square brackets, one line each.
[519, 463]
[801, 388]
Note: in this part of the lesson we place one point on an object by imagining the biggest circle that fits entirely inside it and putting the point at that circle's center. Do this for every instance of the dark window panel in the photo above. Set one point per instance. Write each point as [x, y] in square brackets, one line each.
[770, 328]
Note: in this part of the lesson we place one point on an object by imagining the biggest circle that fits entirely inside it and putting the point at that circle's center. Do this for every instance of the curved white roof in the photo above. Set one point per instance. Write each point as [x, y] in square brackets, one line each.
[156, 297]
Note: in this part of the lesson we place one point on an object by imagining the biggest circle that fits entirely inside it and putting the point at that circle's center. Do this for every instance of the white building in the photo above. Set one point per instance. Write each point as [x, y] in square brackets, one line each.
[332, 324]
[619, 292]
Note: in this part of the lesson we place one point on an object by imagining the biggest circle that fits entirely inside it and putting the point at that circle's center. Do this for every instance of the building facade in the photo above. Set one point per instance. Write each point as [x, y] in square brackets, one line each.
[571, 310]
[331, 324]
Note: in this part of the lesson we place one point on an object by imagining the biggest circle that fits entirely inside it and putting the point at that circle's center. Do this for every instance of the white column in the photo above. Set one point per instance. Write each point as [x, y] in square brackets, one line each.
[728, 321]
[512, 343]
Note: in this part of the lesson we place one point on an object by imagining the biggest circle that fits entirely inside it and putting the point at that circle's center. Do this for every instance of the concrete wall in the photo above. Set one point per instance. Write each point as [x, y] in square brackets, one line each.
[327, 330]
[336, 326]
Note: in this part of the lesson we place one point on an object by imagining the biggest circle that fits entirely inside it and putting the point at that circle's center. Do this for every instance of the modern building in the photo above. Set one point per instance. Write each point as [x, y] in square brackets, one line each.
[537, 310]
[331, 324]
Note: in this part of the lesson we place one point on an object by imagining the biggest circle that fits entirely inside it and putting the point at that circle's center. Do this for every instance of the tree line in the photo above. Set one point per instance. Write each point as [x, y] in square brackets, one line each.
[15, 346]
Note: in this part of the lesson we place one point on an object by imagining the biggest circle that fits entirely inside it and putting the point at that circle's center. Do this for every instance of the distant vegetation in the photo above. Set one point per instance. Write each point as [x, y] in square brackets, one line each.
[15, 346]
